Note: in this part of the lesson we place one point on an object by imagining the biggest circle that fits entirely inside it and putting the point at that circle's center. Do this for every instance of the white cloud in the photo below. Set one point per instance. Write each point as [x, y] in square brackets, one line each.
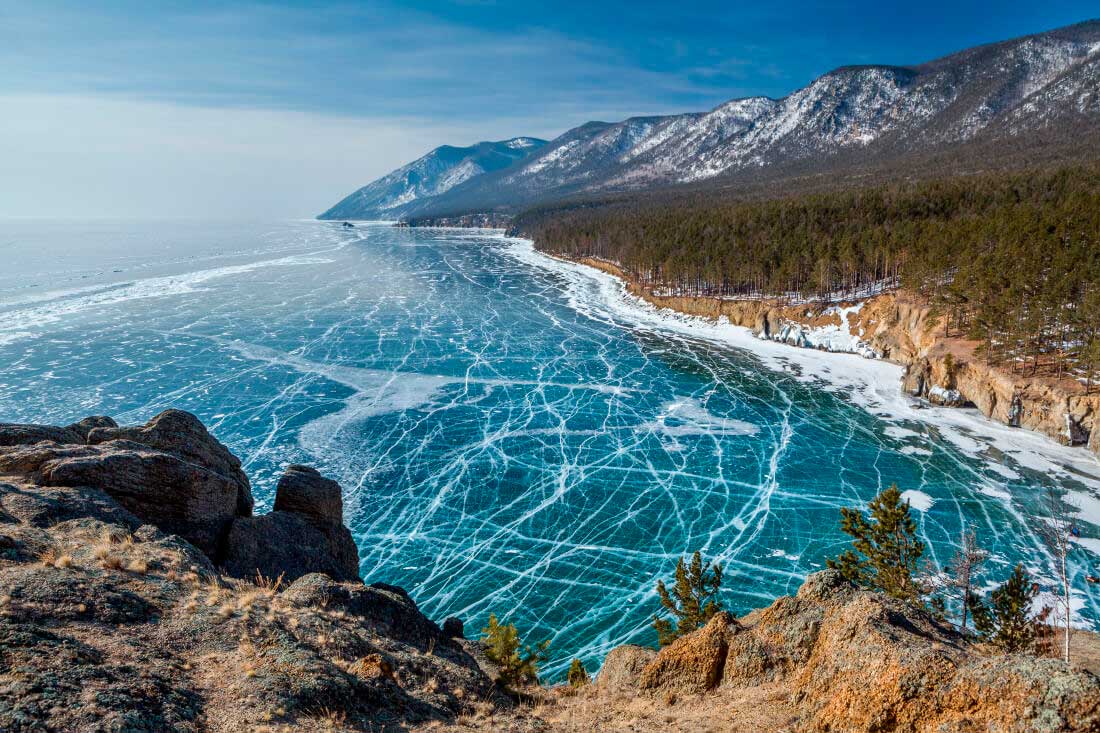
[68, 155]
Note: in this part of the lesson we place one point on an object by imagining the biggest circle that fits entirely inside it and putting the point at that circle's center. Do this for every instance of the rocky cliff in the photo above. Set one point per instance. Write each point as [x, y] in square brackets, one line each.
[837, 658]
[898, 327]
[138, 592]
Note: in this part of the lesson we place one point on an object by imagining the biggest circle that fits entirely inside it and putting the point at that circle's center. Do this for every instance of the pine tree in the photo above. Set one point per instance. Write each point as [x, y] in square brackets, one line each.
[885, 547]
[502, 646]
[1006, 621]
[950, 368]
[692, 601]
[578, 675]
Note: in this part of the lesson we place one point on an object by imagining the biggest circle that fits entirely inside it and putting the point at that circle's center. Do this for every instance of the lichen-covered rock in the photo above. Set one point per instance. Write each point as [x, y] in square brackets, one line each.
[853, 660]
[622, 668]
[54, 681]
[182, 434]
[392, 613]
[693, 663]
[177, 495]
[25, 434]
[303, 534]
[110, 619]
[170, 472]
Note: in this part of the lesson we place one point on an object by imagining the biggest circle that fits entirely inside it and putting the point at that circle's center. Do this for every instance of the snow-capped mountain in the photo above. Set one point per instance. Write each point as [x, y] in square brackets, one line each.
[996, 99]
[436, 173]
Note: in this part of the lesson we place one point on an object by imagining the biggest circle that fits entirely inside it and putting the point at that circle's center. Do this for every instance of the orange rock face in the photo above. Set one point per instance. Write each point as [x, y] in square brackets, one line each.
[853, 660]
[692, 663]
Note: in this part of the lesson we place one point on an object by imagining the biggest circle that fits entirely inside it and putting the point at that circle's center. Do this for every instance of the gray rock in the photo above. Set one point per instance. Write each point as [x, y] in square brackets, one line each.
[453, 628]
[290, 545]
[182, 434]
[393, 615]
[305, 491]
[177, 495]
[29, 434]
[622, 668]
[304, 534]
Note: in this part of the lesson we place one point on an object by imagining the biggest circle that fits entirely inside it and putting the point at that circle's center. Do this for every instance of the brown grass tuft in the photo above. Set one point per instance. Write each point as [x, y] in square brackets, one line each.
[111, 562]
[53, 557]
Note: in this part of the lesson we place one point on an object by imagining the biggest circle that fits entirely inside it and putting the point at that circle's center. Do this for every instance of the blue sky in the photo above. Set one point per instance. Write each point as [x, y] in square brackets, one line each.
[335, 94]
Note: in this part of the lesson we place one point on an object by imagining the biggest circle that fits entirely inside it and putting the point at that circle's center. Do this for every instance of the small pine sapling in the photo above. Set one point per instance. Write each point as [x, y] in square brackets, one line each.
[503, 647]
[1006, 621]
[692, 601]
[578, 675]
[885, 547]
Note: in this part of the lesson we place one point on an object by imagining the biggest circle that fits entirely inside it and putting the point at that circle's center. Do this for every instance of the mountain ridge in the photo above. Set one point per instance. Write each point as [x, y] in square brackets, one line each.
[986, 102]
[430, 175]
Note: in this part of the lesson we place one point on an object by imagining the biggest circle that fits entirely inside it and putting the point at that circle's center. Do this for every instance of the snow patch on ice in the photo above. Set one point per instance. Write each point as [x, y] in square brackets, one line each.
[688, 416]
[918, 500]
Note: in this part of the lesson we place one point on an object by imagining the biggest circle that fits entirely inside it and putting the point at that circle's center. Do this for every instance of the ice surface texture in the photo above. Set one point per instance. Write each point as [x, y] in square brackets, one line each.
[513, 434]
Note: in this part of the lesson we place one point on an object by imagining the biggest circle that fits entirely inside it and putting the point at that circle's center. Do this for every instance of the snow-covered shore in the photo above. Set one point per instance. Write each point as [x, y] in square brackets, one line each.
[836, 361]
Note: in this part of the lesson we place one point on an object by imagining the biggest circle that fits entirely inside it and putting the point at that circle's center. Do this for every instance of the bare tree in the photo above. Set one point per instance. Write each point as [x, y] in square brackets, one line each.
[965, 563]
[1057, 534]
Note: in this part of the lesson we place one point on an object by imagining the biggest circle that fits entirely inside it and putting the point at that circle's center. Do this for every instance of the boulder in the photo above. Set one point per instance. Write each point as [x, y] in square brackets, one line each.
[303, 534]
[693, 663]
[182, 434]
[453, 628]
[622, 668]
[288, 544]
[305, 491]
[29, 434]
[853, 660]
[169, 472]
[393, 615]
[178, 496]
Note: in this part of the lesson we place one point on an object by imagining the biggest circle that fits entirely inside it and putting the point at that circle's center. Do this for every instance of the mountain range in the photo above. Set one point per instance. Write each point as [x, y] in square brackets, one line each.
[430, 177]
[975, 107]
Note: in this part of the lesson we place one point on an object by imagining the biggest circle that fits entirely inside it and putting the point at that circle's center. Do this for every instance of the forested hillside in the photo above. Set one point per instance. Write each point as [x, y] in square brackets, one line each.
[1012, 260]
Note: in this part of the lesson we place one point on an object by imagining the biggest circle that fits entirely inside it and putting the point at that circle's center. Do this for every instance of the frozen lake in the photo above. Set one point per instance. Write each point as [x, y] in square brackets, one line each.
[513, 434]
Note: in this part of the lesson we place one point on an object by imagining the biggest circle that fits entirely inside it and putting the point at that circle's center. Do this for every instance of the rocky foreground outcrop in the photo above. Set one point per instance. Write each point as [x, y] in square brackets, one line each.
[138, 593]
[851, 660]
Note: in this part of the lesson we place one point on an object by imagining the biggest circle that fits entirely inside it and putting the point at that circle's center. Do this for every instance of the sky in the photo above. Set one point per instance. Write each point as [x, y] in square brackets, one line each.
[276, 110]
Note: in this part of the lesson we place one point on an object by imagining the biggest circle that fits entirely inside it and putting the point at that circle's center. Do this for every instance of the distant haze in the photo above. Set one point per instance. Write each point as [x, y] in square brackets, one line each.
[155, 110]
[92, 157]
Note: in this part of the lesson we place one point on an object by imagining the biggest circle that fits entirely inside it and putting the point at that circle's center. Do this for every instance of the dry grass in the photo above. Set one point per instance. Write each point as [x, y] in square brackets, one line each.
[55, 557]
[117, 550]
[762, 709]
[111, 562]
[331, 719]
[1084, 650]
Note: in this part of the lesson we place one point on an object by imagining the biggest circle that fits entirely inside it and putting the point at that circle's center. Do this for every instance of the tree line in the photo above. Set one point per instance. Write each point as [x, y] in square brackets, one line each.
[1011, 260]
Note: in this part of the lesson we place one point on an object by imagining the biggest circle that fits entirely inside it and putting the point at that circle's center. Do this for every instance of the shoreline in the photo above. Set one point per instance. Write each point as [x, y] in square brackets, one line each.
[912, 393]
[872, 384]
[897, 330]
